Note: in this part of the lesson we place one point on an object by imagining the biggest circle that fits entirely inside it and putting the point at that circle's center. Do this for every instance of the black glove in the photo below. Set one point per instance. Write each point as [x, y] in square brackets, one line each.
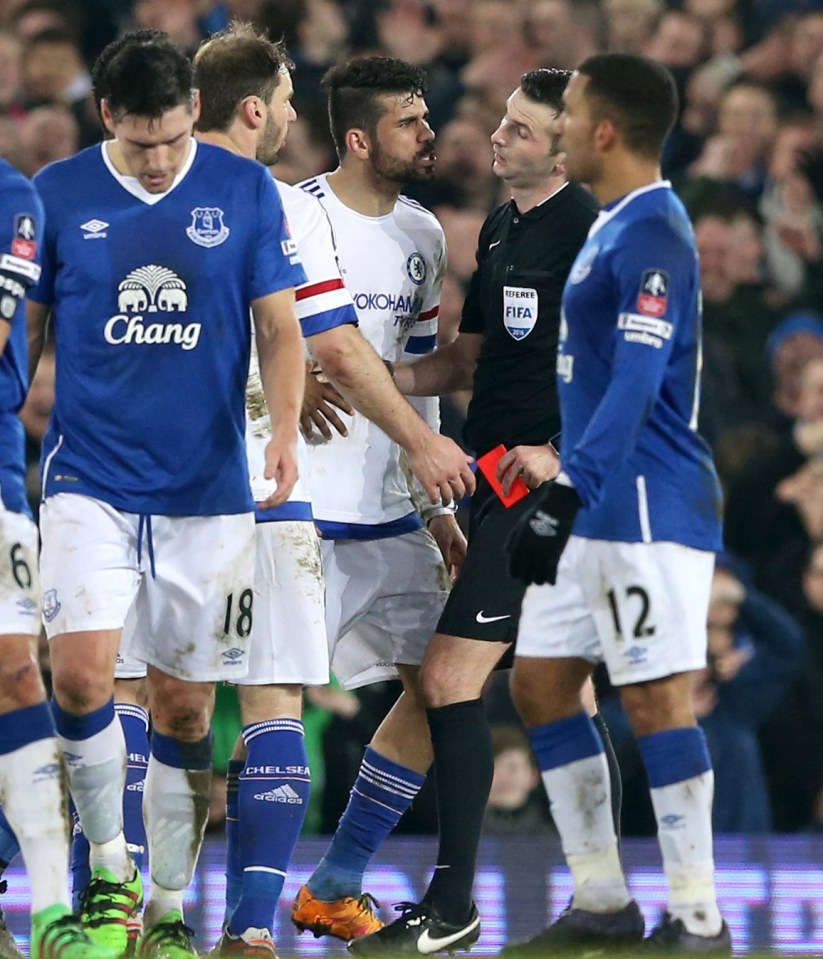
[539, 537]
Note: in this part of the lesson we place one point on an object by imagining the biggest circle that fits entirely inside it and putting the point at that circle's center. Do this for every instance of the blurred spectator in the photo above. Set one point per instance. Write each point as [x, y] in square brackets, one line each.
[180, 19]
[10, 54]
[630, 24]
[764, 525]
[564, 32]
[315, 34]
[38, 16]
[790, 739]
[48, 133]
[52, 70]
[679, 40]
[738, 315]
[755, 651]
[464, 177]
[790, 346]
[793, 217]
[517, 804]
[499, 53]
[739, 152]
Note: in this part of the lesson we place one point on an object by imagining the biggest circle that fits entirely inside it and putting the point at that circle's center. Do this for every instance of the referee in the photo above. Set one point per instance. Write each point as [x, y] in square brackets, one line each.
[506, 351]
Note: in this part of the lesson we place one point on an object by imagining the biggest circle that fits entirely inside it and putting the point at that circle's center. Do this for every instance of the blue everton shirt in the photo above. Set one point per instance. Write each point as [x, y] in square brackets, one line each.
[151, 297]
[21, 229]
[629, 378]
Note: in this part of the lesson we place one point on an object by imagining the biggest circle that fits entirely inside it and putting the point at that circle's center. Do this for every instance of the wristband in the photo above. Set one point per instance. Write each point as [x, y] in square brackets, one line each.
[428, 513]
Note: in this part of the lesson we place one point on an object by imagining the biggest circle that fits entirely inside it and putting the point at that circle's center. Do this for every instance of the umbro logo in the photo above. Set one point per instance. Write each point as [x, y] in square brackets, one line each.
[543, 524]
[94, 229]
[49, 771]
[284, 794]
[232, 656]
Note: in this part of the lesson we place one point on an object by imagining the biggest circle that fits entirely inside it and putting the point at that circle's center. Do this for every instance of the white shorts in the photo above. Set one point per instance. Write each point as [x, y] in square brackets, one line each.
[383, 600]
[288, 639]
[189, 580]
[19, 580]
[640, 607]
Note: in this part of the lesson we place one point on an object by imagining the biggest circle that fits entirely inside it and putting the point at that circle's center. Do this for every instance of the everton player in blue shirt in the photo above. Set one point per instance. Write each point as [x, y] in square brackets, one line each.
[621, 545]
[155, 251]
[31, 778]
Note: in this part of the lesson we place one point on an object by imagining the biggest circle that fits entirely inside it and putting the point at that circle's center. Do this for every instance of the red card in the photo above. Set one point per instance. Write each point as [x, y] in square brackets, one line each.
[488, 467]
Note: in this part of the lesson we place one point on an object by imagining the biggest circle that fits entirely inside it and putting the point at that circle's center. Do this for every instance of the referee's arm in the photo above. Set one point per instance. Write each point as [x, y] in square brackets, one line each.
[448, 368]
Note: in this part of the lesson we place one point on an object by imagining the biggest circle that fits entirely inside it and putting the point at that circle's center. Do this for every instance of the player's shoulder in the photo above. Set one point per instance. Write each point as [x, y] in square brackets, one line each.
[652, 216]
[315, 186]
[297, 202]
[413, 212]
[12, 178]
[77, 169]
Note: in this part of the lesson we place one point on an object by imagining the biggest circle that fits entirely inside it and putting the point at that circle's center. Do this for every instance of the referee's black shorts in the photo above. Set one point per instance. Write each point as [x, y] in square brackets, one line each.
[485, 601]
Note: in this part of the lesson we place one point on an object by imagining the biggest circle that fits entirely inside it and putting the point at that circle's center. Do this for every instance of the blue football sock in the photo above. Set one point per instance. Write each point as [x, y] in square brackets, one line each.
[80, 868]
[135, 723]
[382, 792]
[9, 846]
[273, 799]
[234, 866]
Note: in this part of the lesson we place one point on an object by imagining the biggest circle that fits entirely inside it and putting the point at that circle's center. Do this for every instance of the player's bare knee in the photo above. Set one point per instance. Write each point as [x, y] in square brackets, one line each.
[658, 705]
[20, 682]
[80, 688]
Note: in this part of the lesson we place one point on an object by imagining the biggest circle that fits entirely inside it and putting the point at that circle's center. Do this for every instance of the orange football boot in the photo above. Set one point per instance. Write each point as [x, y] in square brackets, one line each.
[348, 918]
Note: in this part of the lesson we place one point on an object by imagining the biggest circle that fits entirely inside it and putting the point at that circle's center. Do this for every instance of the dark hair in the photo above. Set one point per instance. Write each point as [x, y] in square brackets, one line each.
[546, 86]
[353, 89]
[237, 63]
[638, 94]
[101, 67]
[145, 76]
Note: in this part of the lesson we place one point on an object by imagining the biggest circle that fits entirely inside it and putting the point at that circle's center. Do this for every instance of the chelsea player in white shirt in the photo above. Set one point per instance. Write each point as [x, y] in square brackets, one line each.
[629, 529]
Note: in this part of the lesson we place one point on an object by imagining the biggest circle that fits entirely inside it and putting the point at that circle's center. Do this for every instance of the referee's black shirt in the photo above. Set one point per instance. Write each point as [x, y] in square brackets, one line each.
[514, 297]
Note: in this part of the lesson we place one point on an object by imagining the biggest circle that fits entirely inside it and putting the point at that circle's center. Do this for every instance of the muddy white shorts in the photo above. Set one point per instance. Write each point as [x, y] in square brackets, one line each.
[383, 600]
[288, 639]
[640, 607]
[19, 580]
[186, 580]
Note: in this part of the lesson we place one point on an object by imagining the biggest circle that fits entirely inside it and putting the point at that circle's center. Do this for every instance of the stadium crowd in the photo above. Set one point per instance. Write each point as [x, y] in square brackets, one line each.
[746, 158]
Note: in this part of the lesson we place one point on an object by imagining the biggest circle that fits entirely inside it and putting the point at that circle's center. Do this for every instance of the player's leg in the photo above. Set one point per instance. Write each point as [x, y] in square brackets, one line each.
[392, 771]
[194, 628]
[32, 780]
[269, 778]
[9, 848]
[676, 581]
[131, 709]
[89, 574]
[392, 591]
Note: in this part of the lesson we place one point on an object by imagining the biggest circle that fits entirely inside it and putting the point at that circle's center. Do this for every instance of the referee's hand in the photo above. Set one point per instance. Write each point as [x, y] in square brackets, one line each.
[538, 538]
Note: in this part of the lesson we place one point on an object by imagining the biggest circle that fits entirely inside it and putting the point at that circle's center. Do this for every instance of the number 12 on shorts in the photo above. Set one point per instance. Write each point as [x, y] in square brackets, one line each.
[238, 618]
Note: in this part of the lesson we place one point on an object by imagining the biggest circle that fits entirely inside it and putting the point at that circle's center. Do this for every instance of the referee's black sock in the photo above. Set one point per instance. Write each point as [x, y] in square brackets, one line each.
[464, 766]
[614, 771]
